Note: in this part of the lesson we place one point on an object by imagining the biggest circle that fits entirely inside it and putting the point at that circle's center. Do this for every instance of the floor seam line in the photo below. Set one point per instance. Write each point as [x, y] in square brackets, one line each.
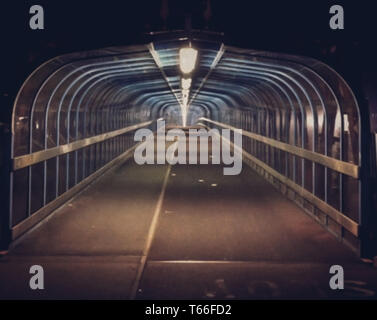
[150, 237]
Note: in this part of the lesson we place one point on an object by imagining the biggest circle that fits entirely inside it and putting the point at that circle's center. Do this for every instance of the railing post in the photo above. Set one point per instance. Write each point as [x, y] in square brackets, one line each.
[368, 217]
[5, 233]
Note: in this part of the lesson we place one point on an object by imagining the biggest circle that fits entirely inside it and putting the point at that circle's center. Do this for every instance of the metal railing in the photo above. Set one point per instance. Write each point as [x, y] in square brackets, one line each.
[117, 157]
[43, 155]
[349, 169]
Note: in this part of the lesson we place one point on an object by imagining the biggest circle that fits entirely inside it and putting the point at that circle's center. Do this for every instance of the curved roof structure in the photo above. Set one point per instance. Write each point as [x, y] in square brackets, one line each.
[291, 100]
[147, 78]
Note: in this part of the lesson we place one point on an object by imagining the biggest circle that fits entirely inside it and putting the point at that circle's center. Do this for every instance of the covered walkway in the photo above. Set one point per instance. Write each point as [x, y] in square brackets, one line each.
[105, 227]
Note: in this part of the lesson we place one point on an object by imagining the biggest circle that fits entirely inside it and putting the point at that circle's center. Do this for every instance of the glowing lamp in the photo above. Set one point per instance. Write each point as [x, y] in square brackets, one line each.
[187, 59]
[186, 83]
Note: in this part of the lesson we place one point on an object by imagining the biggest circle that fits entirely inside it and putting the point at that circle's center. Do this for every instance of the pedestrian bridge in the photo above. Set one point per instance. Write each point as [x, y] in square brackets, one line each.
[79, 204]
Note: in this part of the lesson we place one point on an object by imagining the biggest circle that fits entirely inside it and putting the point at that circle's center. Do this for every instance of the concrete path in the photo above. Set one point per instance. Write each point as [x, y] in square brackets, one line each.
[91, 247]
[215, 236]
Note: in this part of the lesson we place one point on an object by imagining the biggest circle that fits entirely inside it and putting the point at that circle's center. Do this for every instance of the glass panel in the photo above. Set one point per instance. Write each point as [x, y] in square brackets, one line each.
[51, 180]
[20, 195]
[333, 188]
[351, 197]
[62, 174]
[37, 188]
[320, 181]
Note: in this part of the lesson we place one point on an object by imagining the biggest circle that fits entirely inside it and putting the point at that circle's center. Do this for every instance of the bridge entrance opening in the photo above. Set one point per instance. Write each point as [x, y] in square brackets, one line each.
[76, 116]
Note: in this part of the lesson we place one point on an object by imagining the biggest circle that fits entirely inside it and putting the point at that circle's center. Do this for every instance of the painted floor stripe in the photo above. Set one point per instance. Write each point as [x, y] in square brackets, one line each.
[151, 233]
[230, 262]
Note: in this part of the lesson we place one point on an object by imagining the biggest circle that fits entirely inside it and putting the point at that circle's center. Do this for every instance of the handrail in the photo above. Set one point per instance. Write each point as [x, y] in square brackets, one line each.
[346, 168]
[43, 155]
[338, 216]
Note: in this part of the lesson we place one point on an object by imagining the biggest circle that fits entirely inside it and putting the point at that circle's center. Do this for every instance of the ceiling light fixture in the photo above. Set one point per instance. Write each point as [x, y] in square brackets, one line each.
[187, 59]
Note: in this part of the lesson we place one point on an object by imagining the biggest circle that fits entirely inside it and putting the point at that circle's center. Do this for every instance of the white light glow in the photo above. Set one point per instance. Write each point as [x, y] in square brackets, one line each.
[184, 113]
[186, 83]
[346, 124]
[187, 59]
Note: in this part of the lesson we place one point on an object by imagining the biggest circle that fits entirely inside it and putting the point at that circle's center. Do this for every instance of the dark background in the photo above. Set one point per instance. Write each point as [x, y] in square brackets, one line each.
[298, 27]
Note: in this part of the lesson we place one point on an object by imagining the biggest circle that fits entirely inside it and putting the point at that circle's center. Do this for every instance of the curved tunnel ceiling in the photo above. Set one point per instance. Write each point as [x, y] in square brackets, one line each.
[307, 97]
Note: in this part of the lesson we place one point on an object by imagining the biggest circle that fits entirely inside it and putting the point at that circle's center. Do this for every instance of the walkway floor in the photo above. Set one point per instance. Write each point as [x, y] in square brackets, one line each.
[216, 236]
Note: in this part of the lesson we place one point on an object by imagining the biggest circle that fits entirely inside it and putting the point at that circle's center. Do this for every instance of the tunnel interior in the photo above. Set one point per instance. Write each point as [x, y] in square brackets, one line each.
[76, 114]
